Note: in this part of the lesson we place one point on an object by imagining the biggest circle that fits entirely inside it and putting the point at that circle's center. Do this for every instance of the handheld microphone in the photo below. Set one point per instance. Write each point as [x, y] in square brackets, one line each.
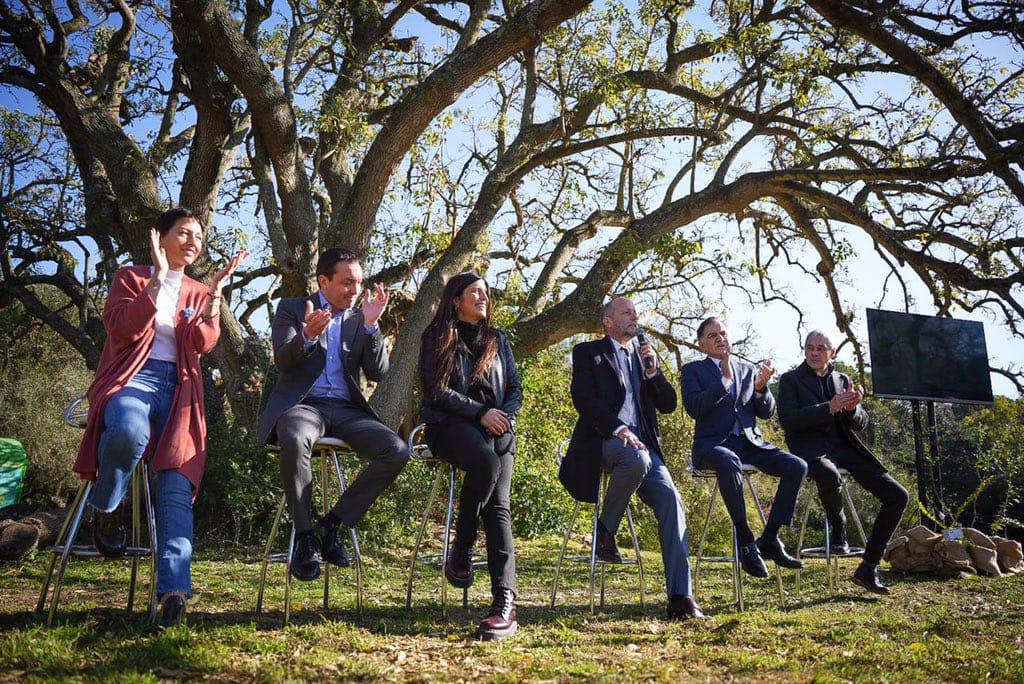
[648, 361]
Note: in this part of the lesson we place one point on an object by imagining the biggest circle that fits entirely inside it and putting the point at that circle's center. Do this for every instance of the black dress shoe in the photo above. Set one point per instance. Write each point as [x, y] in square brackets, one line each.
[172, 610]
[331, 548]
[305, 565]
[459, 567]
[866, 576]
[773, 550]
[607, 550]
[684, 608]
[839, 546]
[751, 561]
[500, 622]
[109, 533]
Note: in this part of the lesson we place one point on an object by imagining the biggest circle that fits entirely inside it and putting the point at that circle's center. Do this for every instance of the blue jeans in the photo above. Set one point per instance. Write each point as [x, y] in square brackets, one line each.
[131, 418]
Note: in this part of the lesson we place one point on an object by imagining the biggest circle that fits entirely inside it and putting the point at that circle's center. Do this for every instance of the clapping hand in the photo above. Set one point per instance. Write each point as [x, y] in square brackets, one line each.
[856, 396]
[315, 321]
[765, 371]
[374, 304]
[222, 276]
[159, 254]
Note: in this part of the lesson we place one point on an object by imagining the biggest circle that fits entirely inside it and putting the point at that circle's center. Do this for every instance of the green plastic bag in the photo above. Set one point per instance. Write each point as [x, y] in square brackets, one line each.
[13, 465]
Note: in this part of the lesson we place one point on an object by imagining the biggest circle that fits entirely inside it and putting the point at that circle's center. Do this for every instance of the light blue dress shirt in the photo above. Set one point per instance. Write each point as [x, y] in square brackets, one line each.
[331, 383]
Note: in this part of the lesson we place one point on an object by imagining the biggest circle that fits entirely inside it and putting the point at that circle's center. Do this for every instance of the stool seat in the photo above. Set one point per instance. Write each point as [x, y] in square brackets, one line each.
[331, 442]
[76, 416]
[709, 473]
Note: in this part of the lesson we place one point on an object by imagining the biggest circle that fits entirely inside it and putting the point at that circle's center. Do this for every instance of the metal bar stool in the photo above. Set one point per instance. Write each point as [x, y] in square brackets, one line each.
[325, 446]
[831, 559]
[76, 415]
[592, 558]
[420, 453]
[737, 571]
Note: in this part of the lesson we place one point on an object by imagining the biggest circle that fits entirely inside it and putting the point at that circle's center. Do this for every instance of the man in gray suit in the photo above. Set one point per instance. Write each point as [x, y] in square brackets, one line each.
[322, 346]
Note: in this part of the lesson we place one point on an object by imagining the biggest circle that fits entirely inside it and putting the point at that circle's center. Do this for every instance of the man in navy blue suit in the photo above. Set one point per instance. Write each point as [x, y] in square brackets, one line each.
[726, 396]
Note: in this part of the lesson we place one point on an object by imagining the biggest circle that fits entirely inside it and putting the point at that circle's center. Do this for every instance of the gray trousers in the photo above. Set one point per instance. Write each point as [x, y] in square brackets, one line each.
[645, 473]
[302, 425]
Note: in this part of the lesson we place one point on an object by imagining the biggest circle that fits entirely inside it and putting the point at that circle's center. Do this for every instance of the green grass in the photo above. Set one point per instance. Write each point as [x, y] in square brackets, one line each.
[930, 630]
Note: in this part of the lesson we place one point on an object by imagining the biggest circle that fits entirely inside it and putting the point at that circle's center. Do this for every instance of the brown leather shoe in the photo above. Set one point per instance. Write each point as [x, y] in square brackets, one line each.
[172, 609]
[109, 534]
[684, 608]
[500, 623]
[607, 550]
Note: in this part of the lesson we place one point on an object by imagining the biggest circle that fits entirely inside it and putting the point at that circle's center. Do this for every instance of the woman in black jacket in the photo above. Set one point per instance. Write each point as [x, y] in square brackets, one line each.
[471, 394]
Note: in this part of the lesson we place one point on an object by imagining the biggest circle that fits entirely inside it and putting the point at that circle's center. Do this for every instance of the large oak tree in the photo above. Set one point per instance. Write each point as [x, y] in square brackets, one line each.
[670, 150]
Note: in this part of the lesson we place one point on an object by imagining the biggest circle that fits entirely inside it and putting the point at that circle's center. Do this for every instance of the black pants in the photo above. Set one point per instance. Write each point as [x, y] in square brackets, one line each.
[487, 464]
[302, 425]
[871, 477]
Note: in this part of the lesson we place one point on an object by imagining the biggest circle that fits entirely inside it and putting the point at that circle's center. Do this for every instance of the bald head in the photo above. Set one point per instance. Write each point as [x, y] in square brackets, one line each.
[619, 319]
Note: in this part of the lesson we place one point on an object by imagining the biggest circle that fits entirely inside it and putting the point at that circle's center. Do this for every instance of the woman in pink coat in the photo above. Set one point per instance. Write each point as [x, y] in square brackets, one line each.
[147, 399]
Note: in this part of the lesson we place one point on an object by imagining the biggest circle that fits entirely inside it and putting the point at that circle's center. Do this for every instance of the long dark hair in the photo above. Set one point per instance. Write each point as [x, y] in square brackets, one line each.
[446, 335]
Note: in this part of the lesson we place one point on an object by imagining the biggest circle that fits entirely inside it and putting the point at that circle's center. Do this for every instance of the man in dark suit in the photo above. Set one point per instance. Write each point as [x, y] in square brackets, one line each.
[617, 385]
[322, 346]
[726, 396]
[820, 410]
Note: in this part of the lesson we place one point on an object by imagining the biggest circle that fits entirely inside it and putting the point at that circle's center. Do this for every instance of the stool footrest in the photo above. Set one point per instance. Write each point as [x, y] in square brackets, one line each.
[87, 551]
[434, 560]
[598, 561]
[819, 552]
[717, 559]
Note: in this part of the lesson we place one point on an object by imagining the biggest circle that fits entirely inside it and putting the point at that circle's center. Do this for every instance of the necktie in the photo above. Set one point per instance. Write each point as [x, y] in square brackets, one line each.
[630, 370]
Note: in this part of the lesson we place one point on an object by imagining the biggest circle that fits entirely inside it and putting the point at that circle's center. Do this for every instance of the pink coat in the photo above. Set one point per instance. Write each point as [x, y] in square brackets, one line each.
[129, 319]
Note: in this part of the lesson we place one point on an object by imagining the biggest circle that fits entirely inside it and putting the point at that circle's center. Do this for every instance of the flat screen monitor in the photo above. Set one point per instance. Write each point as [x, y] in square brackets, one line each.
[928, 357]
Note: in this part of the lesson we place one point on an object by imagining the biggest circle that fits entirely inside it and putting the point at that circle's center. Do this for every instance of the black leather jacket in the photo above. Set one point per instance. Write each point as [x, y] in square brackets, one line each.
[437, 405]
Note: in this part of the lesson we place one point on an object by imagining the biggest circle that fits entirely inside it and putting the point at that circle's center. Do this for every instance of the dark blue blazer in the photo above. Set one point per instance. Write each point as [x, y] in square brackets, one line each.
[598, 391]
[714, 409]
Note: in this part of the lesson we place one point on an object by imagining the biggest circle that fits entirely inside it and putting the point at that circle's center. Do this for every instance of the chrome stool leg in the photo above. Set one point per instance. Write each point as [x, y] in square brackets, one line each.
[593, 541]
[800, 538]
[325, 567]
[737, 573]
[136, 541]
[288, 576]
[764, 521]
[561, 554]
[357, 555]
[419, 535]
[703, 538]
[151, 522]
[267, 555]
[66, 553]
[448, 516]
[62, 540]
[639, 558]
